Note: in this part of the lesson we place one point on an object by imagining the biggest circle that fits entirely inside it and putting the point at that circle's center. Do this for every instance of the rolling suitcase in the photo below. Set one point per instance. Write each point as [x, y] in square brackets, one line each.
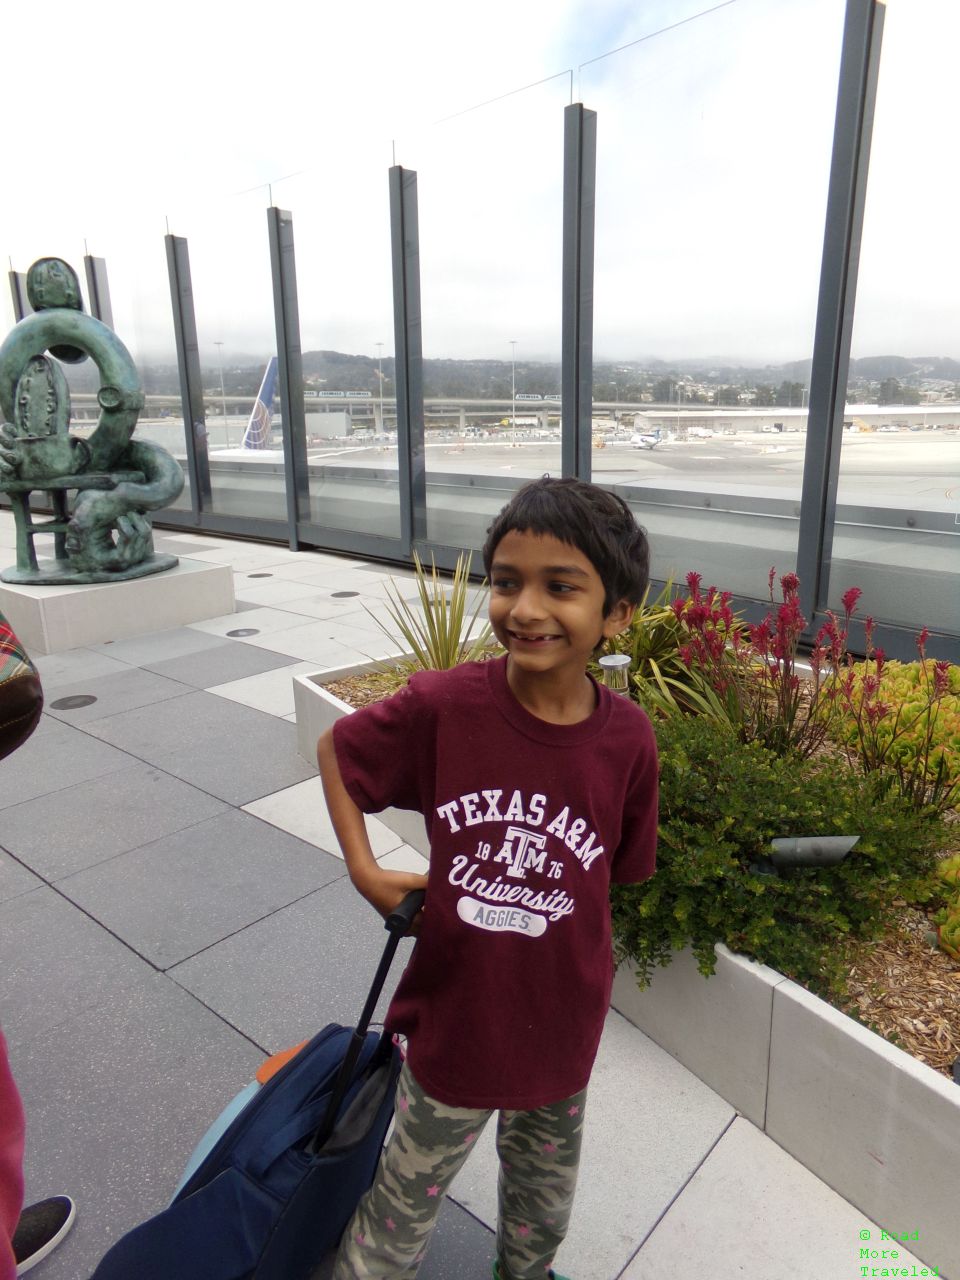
[275, 1185]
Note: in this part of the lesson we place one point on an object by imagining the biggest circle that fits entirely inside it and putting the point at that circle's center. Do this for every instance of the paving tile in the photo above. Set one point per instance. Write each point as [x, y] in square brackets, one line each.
[271, 691]
[138, 651]
[308, 642]
[405, 859]
[116, 1098]
[75, 664]
[216, 665]
[328, 639]
[231, 751]
[290, 974]
[246, 557]
[311, 565]
[14, 877]
[119, 691]
[341, 579]
[54, 757]
[302, 810]
[175, 546]
[261, 591]
[460, 1247]
[190, 889]
[68, 831]
[56, 963]
[650, 1123]
[324, 605]
[740, 1218]
[266, 620]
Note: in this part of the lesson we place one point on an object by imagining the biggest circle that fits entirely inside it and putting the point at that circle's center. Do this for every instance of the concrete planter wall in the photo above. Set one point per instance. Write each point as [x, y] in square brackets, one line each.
[316, 711]
[879, 1127]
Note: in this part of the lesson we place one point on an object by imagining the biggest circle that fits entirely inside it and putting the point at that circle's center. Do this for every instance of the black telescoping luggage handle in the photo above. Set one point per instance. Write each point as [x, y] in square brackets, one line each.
[397, 924]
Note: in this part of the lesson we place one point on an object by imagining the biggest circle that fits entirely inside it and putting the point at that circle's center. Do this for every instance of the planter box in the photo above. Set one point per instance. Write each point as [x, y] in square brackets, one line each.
[876, 1125]
[316, 711]
[880, 1128]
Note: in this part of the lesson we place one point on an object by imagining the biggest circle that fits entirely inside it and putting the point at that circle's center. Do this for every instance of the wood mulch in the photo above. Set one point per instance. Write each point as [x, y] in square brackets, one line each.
[904, 987]
[901, 986]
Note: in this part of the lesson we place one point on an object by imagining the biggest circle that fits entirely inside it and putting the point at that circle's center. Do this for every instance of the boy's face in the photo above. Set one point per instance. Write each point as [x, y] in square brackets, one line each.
[546, 604]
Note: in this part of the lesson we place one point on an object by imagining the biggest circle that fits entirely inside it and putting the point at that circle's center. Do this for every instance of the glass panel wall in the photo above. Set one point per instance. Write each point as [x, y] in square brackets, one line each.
[341, 228]
[490, 188]
[143, 320]
[710, 215]
[233, 298]
[897, 532]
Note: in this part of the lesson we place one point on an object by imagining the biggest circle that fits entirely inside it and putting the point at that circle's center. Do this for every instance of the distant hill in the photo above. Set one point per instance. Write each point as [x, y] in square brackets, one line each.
[623, 379]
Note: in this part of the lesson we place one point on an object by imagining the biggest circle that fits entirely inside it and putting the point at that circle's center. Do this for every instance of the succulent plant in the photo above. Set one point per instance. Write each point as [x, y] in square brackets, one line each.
[948, 933]
[949, 870]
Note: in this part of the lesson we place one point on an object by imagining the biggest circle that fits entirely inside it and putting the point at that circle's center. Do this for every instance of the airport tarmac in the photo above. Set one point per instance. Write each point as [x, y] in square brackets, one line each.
[906, 469]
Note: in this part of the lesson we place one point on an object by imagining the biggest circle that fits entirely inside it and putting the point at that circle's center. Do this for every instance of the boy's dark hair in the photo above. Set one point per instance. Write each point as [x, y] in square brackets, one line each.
[596, 522]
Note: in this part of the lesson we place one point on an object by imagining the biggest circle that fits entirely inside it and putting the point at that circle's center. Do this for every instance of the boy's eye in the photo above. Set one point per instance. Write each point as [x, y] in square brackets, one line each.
[502, 584]
[562, 588]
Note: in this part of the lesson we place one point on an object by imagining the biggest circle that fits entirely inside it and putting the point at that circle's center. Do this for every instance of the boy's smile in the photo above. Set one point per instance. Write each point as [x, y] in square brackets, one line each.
[546, 608]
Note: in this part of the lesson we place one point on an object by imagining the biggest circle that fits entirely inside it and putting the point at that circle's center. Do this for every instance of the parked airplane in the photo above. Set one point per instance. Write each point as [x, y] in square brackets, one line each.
[257, 434]
[646, 439]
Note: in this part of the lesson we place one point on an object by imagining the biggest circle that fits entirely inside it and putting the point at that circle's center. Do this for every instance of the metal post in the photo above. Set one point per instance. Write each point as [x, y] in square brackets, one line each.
[286, 312]
[513, 386]
[223, 394]
[18, 293]
[98, 289]
[579, 205]
[188, 363]
[859, 65]
[379, 346]
[408, 351]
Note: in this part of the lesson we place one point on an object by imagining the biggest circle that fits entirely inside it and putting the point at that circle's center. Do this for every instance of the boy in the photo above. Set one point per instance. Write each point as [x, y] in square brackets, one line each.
[538, 788]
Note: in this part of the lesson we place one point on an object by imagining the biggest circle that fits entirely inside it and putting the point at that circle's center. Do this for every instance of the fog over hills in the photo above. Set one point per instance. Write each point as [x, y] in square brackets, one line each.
[623, 380]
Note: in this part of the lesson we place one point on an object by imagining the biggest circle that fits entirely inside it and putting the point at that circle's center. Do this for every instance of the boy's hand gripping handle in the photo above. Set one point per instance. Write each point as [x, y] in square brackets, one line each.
[400, 919]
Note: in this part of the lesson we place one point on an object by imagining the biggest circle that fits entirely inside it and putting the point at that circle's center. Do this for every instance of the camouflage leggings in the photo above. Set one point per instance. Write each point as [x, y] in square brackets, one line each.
[539, 1157]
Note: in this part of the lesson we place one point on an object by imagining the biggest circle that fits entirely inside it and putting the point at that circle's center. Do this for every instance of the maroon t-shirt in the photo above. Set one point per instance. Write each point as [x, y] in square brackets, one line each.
[506, 992]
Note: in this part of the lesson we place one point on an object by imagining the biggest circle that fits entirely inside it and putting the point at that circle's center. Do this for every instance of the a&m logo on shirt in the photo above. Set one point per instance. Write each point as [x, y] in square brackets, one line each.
[503, 902]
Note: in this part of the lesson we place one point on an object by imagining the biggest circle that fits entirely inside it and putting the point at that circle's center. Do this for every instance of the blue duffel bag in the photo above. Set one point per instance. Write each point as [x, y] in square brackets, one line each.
[275, 1191]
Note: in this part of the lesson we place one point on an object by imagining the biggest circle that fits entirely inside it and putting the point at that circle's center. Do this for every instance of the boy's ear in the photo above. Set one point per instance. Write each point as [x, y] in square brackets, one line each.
[619, 618]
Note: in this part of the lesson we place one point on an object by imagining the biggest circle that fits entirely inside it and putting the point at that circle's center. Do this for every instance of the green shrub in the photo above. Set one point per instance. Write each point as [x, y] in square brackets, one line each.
[721, 803]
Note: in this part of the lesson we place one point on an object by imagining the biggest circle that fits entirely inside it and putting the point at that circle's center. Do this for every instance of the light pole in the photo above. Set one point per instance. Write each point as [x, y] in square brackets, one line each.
[616, 394]
[223, 394]
[379, 346]
[513, 383]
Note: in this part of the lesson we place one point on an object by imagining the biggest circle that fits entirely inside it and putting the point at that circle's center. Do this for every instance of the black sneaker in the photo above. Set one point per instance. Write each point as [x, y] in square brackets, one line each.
[40, 1229]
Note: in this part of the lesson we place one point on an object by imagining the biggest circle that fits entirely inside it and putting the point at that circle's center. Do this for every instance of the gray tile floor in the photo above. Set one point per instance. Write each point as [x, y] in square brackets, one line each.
[173, 908]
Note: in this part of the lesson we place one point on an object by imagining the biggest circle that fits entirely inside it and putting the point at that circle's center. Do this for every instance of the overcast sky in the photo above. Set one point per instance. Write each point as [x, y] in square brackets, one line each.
[714, 140]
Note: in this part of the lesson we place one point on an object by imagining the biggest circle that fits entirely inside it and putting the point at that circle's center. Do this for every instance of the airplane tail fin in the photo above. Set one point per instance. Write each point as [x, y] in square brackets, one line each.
[257, 434]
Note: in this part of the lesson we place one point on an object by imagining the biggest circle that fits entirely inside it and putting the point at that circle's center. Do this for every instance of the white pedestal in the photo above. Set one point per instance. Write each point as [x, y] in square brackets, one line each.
[53, 619]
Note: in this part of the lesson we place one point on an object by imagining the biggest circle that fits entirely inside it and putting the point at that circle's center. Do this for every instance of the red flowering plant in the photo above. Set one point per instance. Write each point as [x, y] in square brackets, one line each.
[752, 668]
[901, 721]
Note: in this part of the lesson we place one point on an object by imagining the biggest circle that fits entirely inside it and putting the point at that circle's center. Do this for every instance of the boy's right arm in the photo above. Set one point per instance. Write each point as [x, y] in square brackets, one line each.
[384, 890]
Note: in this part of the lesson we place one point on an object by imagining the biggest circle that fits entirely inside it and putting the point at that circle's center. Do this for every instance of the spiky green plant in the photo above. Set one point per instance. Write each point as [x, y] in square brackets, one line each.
[663, 680]
[431, 629]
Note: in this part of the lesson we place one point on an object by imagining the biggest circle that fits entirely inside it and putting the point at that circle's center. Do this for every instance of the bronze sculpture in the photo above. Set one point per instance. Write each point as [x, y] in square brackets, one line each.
[106, 537]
